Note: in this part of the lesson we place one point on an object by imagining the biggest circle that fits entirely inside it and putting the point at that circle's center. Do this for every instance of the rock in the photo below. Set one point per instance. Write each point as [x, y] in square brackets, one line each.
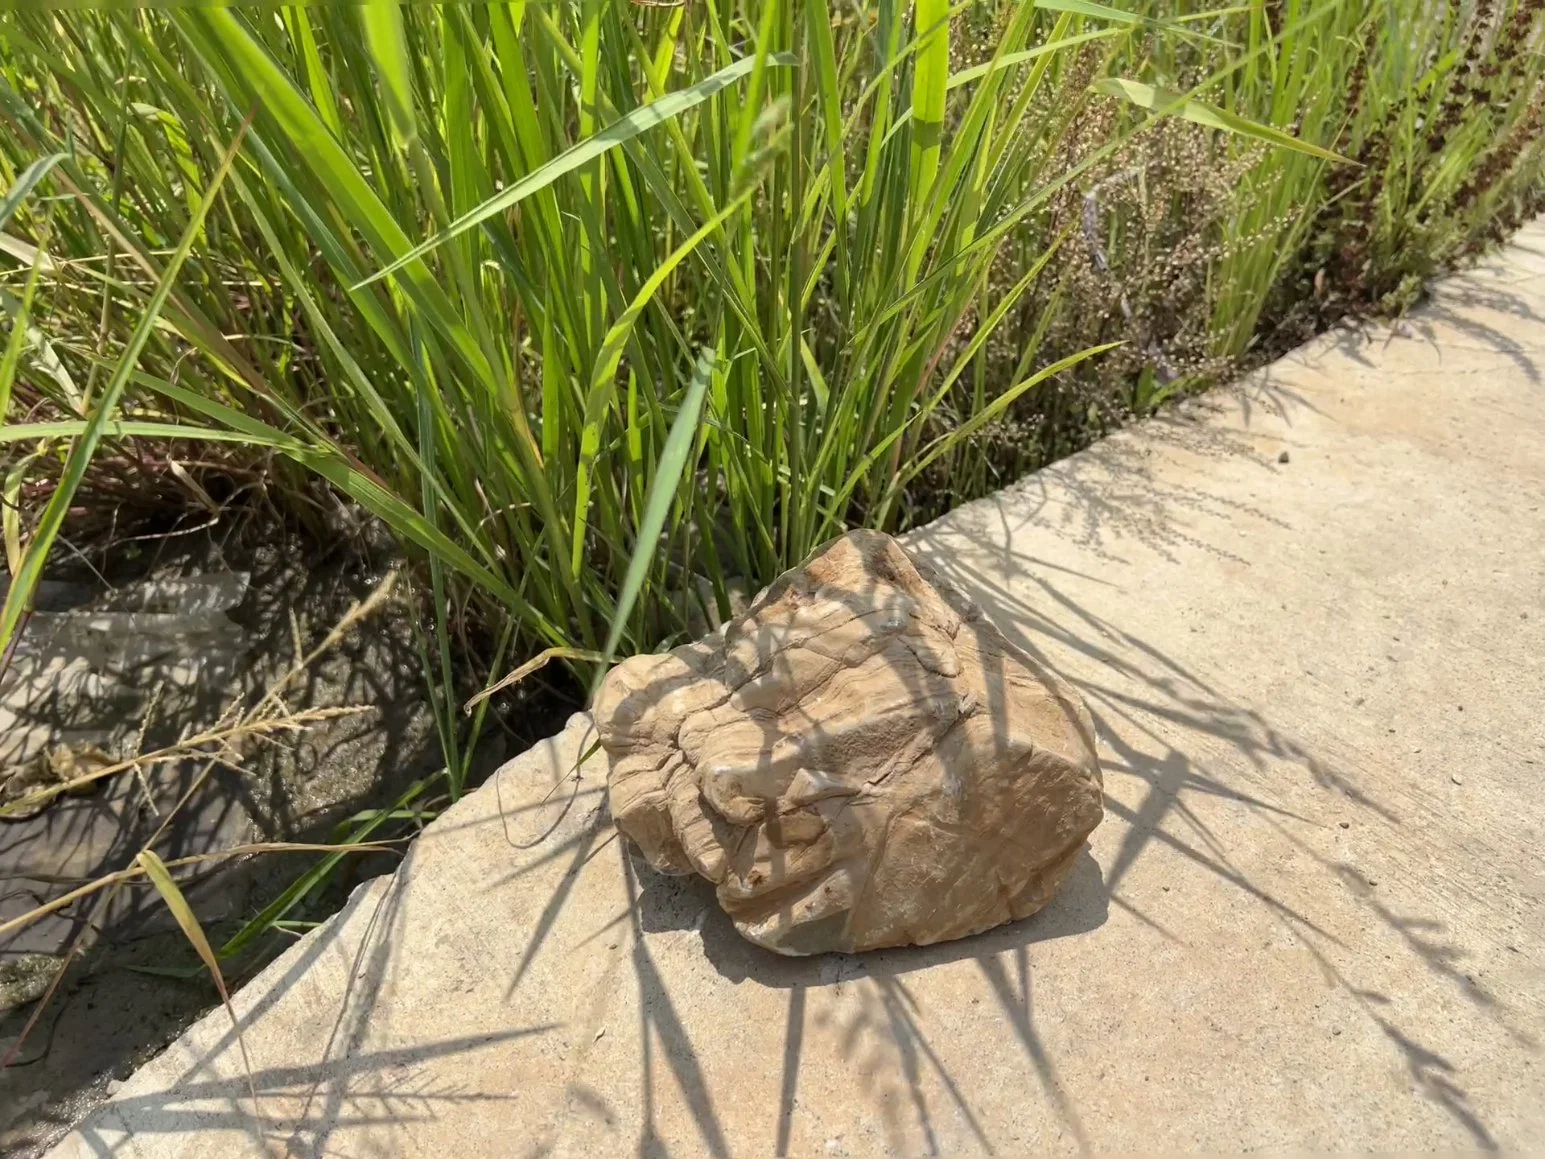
[1284, 457]
[859, 760]
[25, 789]
[25, 978]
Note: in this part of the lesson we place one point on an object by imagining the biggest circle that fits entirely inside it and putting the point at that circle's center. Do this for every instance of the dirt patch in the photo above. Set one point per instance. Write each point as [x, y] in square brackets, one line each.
[142, 654]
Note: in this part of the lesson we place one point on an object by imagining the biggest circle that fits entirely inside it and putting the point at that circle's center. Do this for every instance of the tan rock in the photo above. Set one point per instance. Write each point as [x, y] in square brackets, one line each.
[860, 760]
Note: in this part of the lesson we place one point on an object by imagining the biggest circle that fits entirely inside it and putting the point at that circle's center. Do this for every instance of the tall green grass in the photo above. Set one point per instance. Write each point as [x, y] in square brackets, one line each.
[611, 191]
[469, 255]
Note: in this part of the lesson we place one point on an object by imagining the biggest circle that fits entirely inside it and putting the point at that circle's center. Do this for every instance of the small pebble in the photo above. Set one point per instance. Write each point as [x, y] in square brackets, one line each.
[1346, 824]
[1336, 1030]
[1283, 458]
[1456, 778]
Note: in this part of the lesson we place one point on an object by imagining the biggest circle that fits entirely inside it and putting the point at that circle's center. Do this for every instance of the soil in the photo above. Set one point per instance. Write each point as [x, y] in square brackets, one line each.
[181, 631]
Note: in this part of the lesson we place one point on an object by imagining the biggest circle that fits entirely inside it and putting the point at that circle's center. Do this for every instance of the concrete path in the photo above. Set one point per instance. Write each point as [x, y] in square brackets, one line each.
[1309, 616]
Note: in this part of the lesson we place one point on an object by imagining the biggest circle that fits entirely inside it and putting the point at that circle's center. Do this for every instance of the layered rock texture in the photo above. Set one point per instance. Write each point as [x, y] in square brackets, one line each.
[860, 760]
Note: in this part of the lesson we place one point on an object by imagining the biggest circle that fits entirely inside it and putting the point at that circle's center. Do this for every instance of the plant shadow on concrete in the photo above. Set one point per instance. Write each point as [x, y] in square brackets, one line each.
[1111, 497]
[667, 904]
[348, 1086]
[1168, 698]
[1149, 700]
[352, 1085]
[1175, 698]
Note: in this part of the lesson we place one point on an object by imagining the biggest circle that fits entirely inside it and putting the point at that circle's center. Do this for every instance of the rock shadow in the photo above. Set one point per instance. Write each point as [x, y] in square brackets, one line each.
[680, 903]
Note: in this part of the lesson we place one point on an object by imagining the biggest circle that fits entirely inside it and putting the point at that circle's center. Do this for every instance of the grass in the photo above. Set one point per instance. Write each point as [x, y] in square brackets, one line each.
[468, 255]
[606, 307]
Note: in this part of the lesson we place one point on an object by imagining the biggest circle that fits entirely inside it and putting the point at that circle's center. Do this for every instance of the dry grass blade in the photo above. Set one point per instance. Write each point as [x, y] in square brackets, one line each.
[111, 880]
[358, 612]
[192, 746]
[155, 869]
[536, 663]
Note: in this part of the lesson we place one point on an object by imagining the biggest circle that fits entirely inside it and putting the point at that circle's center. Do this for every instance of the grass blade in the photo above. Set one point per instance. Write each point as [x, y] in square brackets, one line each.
[603, 381]
[19, 598]
[156, 870]
[299, 889]
[623, 129]
[21, 334]
[994, 409]
[1120, 16]
[128, 429]
[1168, 103]
[10, 517]
[389, 50]
[662, 489]
[25, 184]
[930, 82]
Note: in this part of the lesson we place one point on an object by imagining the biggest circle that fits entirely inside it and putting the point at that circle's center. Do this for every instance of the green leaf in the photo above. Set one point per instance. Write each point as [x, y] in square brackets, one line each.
[662, 489]
[123, 429]
[930, 86]
[21, 332]
[28, 180]
[1167, 103]
[10, 516]
[603, 379]
[180, 973]
[1089, 8]
[625, 128]
[1011, 60]
[1120, 16]
[998, 405]
[388, 46]
[304, 885]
